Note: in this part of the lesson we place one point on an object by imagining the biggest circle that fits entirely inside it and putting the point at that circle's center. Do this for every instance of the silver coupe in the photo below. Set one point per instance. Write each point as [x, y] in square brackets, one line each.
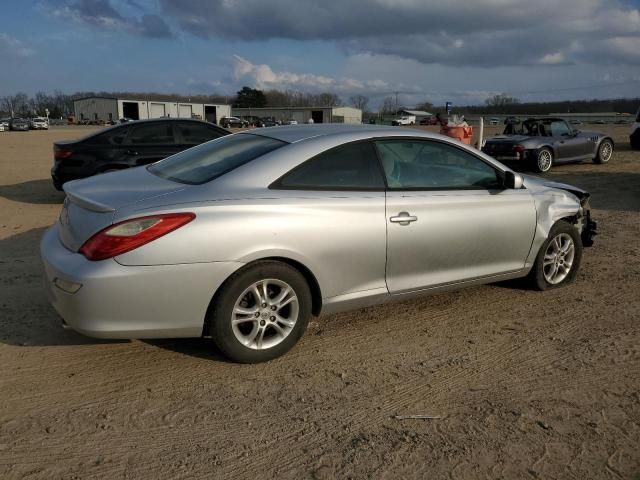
[244, 238]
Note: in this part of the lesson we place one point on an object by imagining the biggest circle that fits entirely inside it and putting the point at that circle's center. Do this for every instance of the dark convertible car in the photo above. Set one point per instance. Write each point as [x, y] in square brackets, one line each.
[128, 145]
[544, 142]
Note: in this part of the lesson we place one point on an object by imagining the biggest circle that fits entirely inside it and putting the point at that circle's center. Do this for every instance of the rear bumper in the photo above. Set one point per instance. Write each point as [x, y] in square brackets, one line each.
[115, 301]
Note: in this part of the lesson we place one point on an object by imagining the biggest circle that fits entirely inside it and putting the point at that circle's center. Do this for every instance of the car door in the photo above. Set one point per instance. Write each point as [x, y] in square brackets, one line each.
[149, 142]
[190, 134]
[568, 145]
[448, 217]
[338, 197]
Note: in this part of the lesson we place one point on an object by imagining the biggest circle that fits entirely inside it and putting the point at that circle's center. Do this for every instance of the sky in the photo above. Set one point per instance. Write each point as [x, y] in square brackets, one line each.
[463, 51]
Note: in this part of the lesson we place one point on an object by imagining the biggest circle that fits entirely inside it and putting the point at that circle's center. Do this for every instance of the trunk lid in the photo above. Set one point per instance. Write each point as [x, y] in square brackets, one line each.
[91, 203]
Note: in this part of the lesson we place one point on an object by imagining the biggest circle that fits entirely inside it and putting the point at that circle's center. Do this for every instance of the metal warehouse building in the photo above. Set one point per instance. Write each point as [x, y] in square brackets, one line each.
[303, 114]
[112, 109]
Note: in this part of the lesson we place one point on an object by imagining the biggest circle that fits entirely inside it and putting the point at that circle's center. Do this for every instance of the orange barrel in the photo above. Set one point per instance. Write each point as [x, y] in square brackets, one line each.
[463, 134]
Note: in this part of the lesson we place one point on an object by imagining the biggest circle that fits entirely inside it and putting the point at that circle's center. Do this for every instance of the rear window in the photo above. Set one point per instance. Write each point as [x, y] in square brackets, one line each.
[205, 162]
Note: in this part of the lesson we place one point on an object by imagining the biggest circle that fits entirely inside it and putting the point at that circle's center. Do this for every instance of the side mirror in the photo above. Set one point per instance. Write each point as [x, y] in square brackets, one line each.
[513, 180]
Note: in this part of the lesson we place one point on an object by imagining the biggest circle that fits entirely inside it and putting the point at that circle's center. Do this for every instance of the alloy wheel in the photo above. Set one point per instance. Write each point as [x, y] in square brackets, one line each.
[544, 160]
[558, 258]
[605, 152]
[265, 314]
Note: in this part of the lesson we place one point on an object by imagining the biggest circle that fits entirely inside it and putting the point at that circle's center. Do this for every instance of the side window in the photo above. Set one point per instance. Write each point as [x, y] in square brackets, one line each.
[349, 167]
[195, 133]
[559, 129]
[416, 165]
[152, 133]
[114, 136]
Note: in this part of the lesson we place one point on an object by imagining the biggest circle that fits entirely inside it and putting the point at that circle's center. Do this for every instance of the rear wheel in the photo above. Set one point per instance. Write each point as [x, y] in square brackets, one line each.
[605, 151]
[559, 258]
[543, 160]
[261, 312]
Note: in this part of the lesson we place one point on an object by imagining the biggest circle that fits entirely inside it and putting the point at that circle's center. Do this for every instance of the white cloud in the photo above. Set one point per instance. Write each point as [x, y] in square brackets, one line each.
[13, 47]
[553, 58]
[263, 76]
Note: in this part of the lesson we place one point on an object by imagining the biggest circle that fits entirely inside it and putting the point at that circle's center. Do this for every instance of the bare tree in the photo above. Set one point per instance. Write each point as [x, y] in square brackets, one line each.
[501, 100]
[360, 101]
[388, 106]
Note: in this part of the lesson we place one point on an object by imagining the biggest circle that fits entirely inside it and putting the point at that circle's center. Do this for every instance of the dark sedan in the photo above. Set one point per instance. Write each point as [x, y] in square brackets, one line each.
[544, 142]
[19, 125]
[128, 145]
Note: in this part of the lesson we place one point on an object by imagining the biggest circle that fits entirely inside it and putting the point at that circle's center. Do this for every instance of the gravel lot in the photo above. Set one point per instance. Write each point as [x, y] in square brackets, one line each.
[525, 384]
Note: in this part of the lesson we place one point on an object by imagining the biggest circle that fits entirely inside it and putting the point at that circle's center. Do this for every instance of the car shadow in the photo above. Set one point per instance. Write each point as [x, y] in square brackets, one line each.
[26, 317]
[40, 192]
[195, 347]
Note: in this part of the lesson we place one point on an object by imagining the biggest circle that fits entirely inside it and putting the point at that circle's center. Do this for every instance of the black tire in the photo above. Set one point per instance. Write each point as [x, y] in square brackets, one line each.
[602, 155]
[543, 160]
[220, 314]
[537, 275]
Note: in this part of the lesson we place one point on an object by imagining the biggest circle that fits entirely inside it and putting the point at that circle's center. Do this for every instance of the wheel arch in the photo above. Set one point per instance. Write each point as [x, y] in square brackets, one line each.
[606, 137]
[309, 276]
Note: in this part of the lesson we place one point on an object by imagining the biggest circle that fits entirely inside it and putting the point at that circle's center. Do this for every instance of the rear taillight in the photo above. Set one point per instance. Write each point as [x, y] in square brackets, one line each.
[125, 236]
[60, 153]
[518, 148]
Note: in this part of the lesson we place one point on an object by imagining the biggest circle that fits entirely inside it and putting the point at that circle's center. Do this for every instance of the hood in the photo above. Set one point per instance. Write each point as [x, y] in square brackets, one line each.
[537, 183]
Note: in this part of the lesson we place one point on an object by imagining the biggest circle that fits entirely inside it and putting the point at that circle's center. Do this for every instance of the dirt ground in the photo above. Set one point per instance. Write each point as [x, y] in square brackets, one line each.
[523, 384]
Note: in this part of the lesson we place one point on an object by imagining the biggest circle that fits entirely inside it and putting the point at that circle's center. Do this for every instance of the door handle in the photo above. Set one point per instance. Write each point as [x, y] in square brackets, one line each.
[403, 218]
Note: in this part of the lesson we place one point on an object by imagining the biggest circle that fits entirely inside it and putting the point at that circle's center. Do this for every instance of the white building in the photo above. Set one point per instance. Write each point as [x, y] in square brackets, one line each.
[112, 109]
[303, 114]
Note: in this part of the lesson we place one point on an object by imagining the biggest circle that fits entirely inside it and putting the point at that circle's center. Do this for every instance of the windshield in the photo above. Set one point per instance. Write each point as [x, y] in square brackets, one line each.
[205, 162]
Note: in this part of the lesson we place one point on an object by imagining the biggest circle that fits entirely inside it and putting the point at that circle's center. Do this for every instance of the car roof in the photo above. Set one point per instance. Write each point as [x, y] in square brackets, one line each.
[297, 133]
[167, 119]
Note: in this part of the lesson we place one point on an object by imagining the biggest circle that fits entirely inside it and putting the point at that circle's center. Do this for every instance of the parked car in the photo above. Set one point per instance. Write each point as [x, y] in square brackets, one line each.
[494, 121]
[234, 122]
[2, 129]
[406, 120]
[19, 124]
[429, 121]
[544, 142]
[634, 137]
[39, 123]
[242, 239]
[268, 122]
[127, 145]
[5, 123]
[291, 122]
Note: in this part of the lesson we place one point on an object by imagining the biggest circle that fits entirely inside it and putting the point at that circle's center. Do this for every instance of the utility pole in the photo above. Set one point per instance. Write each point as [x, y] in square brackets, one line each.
[396, 112]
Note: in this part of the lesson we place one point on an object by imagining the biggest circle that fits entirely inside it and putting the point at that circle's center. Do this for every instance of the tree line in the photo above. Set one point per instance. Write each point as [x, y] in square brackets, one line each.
[60, 104]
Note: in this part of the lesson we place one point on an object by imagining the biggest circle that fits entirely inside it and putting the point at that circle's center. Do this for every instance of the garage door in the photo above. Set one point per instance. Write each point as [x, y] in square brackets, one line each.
[157, 110]
[184, 111]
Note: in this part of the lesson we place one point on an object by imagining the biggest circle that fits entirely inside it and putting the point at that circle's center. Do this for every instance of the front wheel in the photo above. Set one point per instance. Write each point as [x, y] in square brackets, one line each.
[543, 160]
[605, 151]
[559, 257]
[261, 312]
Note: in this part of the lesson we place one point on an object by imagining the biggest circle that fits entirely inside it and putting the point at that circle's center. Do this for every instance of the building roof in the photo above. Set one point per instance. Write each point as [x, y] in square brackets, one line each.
[285, 108]
[151, 98]
[417, 113]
